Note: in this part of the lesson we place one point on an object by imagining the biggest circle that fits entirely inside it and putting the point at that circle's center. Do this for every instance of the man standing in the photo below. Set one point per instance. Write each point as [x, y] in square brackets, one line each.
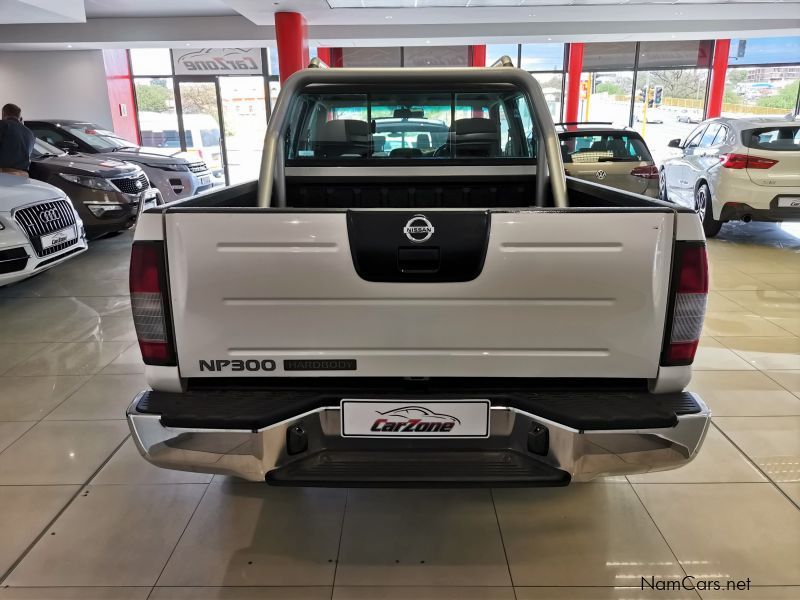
[16, 142]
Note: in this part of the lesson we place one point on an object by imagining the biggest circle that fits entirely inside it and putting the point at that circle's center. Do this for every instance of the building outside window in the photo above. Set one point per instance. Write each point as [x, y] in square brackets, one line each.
[758, 81]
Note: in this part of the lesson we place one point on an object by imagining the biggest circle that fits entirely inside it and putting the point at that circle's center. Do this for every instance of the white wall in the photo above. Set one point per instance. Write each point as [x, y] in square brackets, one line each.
[69, 84]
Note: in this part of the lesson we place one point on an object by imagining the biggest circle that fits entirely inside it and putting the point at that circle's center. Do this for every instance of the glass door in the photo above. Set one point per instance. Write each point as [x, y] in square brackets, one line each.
[244, 111]
[201, 124]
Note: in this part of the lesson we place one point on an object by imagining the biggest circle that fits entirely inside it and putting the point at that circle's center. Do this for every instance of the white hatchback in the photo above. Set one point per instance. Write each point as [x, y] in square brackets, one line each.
[736, 169]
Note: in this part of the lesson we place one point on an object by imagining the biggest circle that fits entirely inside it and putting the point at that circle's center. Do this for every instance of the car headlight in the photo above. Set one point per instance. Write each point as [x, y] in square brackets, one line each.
[96, 183]
[169, 167]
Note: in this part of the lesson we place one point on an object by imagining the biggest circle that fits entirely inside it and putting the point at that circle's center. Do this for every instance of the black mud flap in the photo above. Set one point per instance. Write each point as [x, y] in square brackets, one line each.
[418, 469]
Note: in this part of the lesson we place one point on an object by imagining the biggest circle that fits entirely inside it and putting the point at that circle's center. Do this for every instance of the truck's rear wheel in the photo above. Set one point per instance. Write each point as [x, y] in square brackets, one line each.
[704, 207]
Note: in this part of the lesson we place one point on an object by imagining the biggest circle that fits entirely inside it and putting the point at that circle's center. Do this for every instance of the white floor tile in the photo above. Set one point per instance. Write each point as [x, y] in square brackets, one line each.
[718, 324]
[60, 452]
[713, 356]
[33, 398]
[582, 535]
[130, 361]
[10, 432]
[736, 530]
[13, 354]
[607, 593]
[240, 593]
[110, 536]
[743, 393]
[766, 352]
[773, 443]
[421, 537]
[250, 534]
[75, 593]
[24, 513]
[422, 593]
[76, 358]
[101, 397]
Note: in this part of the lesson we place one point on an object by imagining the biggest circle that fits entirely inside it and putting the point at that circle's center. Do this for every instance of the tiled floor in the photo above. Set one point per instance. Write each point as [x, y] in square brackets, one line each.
[82, 516]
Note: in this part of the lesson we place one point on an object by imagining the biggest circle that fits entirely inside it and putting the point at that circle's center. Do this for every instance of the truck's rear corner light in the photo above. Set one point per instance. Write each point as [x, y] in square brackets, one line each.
[689, 305]
[148, 303]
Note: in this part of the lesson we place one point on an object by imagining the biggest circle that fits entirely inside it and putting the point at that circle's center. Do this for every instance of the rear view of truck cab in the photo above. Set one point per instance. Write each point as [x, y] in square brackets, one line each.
[413, 294]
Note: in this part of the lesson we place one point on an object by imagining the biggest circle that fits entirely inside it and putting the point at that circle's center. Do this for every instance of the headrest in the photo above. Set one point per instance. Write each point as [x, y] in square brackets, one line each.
[405, 153]
[423, 141]
[618, 147]
[474, 125]
[342, 130]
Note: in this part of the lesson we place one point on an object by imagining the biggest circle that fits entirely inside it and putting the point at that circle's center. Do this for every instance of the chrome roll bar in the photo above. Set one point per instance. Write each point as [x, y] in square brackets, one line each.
[549, 166]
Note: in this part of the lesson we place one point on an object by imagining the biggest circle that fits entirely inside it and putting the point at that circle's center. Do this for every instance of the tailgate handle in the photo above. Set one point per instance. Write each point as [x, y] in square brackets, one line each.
[418, 260]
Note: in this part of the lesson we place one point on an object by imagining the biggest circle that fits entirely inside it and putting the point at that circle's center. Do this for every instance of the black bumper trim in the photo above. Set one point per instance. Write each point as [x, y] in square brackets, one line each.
[254, 409]
[459, 468]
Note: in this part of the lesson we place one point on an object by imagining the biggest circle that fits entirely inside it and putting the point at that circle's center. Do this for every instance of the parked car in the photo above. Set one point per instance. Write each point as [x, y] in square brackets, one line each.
[160, 131]
[736, 169]
[454, 318]
[616, 157]
[39, 228]
[173, 173]
[689, 116]
[655, 115]
[106, 193]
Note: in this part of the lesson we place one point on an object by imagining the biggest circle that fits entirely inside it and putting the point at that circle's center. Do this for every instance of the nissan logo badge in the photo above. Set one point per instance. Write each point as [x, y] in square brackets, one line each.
[418, 229]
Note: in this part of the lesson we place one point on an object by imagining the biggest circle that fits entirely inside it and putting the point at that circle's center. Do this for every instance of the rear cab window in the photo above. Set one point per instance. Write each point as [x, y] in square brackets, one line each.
[419, 126]
[780, 139]
[607, 146]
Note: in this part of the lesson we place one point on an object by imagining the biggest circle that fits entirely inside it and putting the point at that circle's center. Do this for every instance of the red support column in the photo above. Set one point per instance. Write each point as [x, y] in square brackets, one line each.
[574, 68]
[337, 58]
[121, 94]
[324, 54]
[292, 38]
[477, 56]
[719, 69]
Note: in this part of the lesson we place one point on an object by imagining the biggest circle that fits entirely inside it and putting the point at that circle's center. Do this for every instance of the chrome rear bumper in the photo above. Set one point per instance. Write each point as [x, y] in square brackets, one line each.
[584, 455]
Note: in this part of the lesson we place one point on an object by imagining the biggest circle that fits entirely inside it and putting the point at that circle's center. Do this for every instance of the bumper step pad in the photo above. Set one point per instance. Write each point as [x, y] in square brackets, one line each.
[352, 468]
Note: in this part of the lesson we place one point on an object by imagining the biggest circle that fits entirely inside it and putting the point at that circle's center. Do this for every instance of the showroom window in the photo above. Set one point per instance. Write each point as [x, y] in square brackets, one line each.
[546, 63]
[496, 51]
[607, 82]
[671, 84]
[759, 82]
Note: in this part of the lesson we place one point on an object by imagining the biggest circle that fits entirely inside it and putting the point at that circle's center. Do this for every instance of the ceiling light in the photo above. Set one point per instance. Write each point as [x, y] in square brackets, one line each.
[388, 17]
[427, 41]
[69, 45]
[549, 39]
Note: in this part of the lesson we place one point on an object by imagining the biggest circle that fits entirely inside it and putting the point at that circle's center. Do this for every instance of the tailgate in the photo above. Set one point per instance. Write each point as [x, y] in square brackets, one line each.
[785, 172]
[558, 294]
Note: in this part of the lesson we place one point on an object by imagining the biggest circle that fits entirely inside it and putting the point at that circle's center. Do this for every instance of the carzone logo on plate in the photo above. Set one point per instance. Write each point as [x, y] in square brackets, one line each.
[414, 419]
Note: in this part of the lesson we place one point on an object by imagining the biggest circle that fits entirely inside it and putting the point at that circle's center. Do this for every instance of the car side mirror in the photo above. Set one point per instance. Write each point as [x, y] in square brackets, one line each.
[68, 146]
[676, 143]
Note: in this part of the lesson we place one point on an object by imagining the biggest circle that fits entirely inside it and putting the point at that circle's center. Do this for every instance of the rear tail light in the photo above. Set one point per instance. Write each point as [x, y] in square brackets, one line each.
[744, 161]
[689, 304]
[148, 302]
[650, 172]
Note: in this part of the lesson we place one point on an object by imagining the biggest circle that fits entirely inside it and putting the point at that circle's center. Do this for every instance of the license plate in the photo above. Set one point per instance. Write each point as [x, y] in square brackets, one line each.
[58, 237]
[204, 180]
[789, 202]
[398, 418]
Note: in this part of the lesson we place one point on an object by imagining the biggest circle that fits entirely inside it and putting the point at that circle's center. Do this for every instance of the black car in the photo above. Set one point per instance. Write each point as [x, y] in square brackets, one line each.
[106, 193]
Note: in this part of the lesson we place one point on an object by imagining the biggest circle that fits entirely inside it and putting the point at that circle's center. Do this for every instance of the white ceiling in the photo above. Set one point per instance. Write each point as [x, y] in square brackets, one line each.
[41, 11]
[100, 9]
[58, 24]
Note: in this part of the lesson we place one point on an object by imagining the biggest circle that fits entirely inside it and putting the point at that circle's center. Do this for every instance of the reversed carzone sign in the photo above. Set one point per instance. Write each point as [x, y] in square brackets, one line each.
[216, 61]
[396, 418]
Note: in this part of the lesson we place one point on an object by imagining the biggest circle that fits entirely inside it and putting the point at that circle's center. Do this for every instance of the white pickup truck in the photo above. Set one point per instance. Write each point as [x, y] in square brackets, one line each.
[414, 294]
